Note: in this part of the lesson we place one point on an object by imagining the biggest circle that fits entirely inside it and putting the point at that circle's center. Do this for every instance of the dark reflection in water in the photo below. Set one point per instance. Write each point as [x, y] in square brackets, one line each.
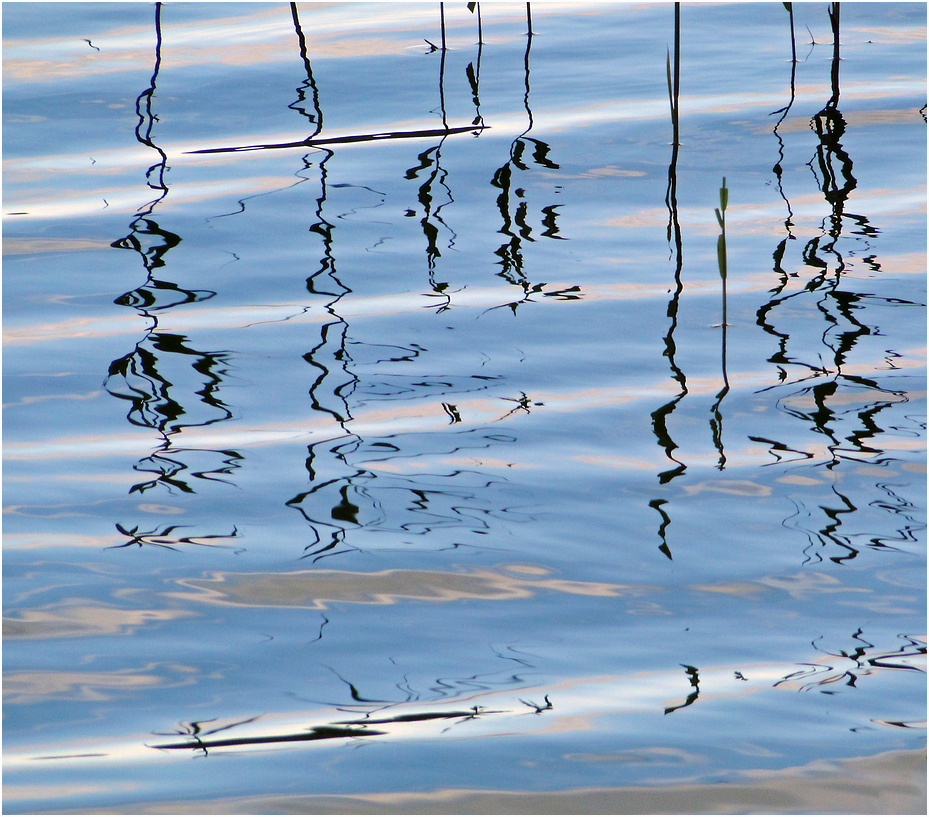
[829, 523]
[370, 712]
[393, 459]
[339, 729]
[317, 119]
[164, 537]
[201, 739]
[343, 496]
[846, 667]
[716, 422]
[430, 161]
[660, 415]
[835, 404]
[840, 406]
[346, 490]
[510, 252]
[170, 385]
[315, 115]
[344, 493]
[861, 660]
[778, 169]
[693, 677]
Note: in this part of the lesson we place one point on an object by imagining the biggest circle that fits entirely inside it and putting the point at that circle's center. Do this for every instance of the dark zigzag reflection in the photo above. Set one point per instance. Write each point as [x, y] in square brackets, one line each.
[842, 408]
[832, 403]
[351, 490]
[169, 385]
[661, 415]
[516, 228]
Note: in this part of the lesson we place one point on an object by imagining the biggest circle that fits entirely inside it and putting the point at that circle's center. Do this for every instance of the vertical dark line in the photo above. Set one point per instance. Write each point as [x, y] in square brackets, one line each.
[778, 168]
[143, 108]
[478, 119]
[526, 62]
[725, 375]
[716, 422]
[661, 414]
[442, 22]
[677, 69]
[834, 18]
[309, 73]
[442, 69]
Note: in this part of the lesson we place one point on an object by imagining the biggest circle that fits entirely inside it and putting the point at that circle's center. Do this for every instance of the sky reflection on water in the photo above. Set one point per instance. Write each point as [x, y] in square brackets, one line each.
[380, 384]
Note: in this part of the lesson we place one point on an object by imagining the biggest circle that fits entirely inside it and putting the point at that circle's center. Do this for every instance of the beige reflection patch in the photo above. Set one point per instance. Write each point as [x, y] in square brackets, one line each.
[899, 116]
[316, 588]
[740, 487]
[887, 783]
[77, 618]
[148, 507]
[889, 34]
[742, 589]
[655, 756]
[30, 687]
[874, 471]
[797, 585]
[800, 584]
[32, 246]
[42, 398]
[797, 479]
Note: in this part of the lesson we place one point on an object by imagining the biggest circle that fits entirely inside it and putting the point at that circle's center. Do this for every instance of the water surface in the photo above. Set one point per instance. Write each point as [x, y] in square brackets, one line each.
[389, 417]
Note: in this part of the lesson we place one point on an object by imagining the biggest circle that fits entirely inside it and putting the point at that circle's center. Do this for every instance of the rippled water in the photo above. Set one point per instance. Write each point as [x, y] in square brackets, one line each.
[392, 425]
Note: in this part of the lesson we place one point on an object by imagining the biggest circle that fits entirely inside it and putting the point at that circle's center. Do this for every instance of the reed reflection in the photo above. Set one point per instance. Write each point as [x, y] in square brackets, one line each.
[202, 740]
[351, 483]
[170, 385]
[374, 716]
[448, 505]
[661, 415]
[516, 228]
[862, 659]
[693, 676]
[778, 169]
[330, 359]
[430, 161]
[716, 422]
[473, 71]
[834, 522]
[840, 310]
[840, 406]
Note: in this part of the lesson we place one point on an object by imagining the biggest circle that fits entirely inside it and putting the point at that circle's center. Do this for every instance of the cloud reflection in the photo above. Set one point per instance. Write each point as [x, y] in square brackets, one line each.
[316, 589]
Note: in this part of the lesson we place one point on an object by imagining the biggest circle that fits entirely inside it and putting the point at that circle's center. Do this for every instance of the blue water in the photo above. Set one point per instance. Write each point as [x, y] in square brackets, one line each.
[372, 422]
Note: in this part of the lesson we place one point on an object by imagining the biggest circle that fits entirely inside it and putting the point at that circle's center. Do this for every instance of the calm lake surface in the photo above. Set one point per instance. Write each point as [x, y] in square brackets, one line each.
[392, 425]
